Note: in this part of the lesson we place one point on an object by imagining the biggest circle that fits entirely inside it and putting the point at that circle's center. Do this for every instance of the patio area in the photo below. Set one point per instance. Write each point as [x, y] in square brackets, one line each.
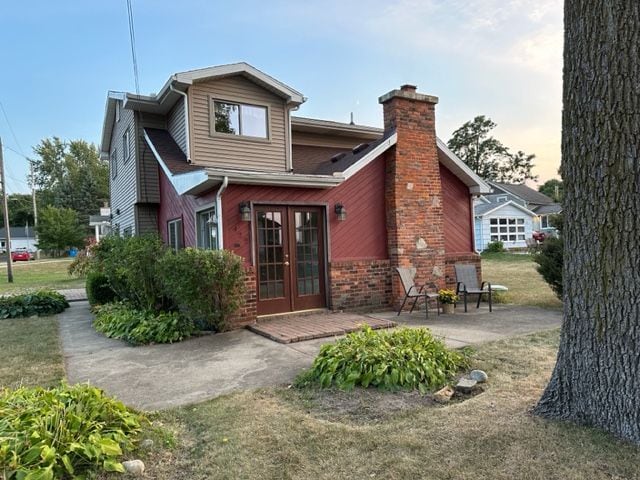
[300, 327]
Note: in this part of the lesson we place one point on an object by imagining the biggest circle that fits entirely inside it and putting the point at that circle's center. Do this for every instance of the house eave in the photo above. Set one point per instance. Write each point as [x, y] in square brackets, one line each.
[477, 186]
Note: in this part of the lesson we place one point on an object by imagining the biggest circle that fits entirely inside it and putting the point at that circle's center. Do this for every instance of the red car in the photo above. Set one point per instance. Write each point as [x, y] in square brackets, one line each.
[21, 255]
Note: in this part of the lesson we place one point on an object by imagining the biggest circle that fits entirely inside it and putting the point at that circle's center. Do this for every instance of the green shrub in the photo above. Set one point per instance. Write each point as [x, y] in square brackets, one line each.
[139, 327]
[131, 268]
[549, 260]
[405, 358]
[495, 247]
[41, 303]
[62, 432]
[82, 264]
[98, 289]
[207, 285]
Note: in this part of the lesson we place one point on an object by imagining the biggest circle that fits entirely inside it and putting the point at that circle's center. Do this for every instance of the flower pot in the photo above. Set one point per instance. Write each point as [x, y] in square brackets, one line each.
[447, 308]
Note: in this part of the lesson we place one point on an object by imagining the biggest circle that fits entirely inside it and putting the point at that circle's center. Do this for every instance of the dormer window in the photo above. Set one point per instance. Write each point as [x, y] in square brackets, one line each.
[239, 119]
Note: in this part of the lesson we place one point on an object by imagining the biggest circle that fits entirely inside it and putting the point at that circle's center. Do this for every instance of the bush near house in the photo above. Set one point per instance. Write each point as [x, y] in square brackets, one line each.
[495, 247]
[405, 358]
[206, 285]
[140, 327]
[63, 432]
[41, 303]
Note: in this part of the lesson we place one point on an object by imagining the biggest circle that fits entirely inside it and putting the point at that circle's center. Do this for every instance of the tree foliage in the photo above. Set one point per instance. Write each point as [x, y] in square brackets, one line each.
[59, 229]
[553, 189]
[20, 210]
[71, 175]
[487, 156]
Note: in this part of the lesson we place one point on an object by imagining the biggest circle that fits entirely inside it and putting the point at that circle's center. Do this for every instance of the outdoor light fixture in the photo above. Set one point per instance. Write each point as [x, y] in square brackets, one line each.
[245, 211]
[341, 212]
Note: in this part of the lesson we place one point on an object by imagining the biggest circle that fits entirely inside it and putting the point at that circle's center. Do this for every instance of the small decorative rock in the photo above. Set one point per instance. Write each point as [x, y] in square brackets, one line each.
[134, 467]
[443, 395]
[479, 376]
[146, 443]
[465, 385]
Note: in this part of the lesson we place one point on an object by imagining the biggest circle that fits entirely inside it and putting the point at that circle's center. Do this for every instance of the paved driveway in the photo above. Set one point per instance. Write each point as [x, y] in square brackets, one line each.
[163, 376]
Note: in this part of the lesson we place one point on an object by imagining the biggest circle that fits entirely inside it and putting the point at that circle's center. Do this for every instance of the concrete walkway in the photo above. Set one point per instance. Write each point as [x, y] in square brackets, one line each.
[163, 376]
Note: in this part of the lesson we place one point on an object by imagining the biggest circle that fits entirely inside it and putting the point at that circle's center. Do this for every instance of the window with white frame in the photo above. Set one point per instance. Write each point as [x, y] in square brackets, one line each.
[126, 150]
[507, 229]
[239, 119]
[114, 164]
[207, 229]
[174, 234]
[117, 110]
[544, 221]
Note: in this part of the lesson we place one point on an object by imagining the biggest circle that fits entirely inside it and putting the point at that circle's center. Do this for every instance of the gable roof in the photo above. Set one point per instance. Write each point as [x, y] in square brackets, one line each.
[487, 208]
[528, 194]
[18, 232]
[550, 209]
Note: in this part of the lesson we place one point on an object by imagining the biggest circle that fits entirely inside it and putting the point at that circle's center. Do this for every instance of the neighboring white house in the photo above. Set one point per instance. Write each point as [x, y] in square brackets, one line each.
[21, 237]
[501, 218]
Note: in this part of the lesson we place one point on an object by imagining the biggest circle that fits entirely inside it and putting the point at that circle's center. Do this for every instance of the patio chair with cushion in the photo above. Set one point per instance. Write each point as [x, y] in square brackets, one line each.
[416, 292]
[467, 284]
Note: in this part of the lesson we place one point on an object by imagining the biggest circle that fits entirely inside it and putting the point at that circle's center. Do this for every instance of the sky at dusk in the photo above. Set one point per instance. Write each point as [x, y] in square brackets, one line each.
[499, 58]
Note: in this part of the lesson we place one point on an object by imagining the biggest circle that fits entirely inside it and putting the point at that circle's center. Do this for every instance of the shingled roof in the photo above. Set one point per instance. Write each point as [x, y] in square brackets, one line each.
[527, 194]
[171, 154]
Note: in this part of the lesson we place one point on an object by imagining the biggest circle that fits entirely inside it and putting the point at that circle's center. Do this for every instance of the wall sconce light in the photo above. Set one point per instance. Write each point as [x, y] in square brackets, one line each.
[341, 212]
[245, 212]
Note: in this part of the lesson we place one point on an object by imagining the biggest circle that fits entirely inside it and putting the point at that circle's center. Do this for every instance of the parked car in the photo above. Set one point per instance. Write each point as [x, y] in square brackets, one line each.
[22, 255]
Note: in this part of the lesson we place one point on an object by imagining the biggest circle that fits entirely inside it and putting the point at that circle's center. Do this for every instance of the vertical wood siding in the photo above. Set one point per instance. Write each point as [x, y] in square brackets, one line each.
[458, 214]
[236, 152]
[123, 188]
[176, 125]
[148, 183]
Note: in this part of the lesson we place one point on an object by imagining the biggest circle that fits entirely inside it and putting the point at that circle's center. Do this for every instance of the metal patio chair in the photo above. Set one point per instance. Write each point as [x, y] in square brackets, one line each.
[416, 292]
[467, 284]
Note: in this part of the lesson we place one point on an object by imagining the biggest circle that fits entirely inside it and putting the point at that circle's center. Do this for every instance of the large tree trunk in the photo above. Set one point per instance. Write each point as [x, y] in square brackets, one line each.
[596, 380]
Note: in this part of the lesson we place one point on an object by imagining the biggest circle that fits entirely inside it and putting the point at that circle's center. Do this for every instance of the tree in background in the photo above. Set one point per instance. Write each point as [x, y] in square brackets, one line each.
[487, 156]
[596, 380]
[71, 175]
[553, 189]
[59, 229]
[20, 210]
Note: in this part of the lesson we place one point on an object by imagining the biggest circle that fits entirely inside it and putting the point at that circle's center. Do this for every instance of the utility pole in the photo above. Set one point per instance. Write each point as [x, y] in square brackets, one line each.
[6, 217]
[35, 209]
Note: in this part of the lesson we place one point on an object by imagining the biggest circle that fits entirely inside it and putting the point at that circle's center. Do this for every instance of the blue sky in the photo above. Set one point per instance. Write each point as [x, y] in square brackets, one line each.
[501, 58]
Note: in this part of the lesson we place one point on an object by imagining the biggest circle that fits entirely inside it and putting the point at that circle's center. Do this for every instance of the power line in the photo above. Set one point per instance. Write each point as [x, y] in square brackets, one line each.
[132, 38]
[13, 134]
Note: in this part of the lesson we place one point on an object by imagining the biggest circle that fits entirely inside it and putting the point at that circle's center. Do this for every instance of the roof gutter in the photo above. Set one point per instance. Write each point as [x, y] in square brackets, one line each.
[223, 187]
[186, 118]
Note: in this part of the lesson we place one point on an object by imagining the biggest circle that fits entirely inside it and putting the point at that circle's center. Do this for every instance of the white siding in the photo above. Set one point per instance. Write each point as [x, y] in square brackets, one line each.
[122, 188]
[176, 125]
[483, 227]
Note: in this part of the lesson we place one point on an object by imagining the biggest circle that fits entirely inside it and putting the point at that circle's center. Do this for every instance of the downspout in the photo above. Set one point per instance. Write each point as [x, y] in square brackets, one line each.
[186, 119]
[223, 187]
[289, 146]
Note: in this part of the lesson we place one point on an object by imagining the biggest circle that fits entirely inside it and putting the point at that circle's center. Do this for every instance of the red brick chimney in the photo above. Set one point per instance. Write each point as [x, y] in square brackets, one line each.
[415, 223]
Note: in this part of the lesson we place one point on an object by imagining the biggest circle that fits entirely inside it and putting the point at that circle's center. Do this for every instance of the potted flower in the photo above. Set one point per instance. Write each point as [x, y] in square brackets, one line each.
[447, 299]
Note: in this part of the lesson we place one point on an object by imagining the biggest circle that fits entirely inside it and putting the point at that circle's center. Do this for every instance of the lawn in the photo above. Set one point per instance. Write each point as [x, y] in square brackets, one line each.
[290, 434]
[30, 352]
[519, 274]
[50, 273]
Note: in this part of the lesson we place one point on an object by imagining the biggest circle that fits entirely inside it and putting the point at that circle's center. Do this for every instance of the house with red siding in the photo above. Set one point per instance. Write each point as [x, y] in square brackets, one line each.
[320, 211]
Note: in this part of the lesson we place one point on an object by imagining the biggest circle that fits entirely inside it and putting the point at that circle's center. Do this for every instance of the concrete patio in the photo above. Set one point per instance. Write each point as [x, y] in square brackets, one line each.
[163, 376]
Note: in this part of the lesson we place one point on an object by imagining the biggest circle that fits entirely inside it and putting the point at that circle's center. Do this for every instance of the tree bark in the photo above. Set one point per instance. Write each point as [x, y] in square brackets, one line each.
[596, 380]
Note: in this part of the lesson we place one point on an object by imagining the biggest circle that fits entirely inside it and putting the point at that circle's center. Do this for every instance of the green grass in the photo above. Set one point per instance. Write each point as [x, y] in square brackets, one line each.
[39, 274]
[519, 274]
[30, 352]
[299, 434]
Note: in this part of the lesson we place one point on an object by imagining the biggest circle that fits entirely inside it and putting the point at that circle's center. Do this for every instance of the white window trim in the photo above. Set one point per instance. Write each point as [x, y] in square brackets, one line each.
[204, 208]
[117, 111]
[521, 229]
[126, 143]
[239, 136]
[180, 233]
[114, 163]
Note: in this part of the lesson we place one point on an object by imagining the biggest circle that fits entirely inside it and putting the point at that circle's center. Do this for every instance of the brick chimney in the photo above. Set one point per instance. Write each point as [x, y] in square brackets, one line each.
[413, 191]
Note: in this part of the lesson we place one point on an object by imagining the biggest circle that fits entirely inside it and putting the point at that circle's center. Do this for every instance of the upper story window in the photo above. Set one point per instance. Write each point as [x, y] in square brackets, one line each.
[114, 164]
[126, 150]
[240, 119]
[117, 110]
[502, 198]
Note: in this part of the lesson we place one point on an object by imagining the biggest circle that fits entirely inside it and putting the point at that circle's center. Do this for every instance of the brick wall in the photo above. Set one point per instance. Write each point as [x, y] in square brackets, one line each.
[360, 284]
[248, 311]
[467, 258]
[413, 188]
